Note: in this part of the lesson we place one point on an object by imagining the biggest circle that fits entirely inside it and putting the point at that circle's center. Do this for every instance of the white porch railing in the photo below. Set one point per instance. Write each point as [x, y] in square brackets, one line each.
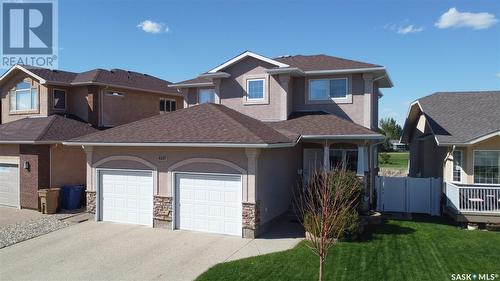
[472, 198]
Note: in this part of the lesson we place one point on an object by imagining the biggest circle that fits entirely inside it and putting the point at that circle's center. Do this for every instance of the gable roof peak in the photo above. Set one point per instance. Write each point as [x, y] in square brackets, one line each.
[245, 55]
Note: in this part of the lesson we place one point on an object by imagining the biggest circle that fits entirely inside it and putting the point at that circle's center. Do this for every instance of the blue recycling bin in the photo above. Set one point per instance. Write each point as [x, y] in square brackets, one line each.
[71, 197]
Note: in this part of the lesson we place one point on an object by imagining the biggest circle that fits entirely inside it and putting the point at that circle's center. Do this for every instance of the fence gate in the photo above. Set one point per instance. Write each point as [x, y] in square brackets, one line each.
[409, 195]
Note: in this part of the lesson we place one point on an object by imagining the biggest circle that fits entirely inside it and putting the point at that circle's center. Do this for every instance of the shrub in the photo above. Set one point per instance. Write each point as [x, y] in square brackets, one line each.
[384, 157]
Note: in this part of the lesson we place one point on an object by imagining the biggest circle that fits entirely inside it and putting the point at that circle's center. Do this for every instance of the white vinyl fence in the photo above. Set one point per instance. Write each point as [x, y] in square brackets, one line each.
[409, 195]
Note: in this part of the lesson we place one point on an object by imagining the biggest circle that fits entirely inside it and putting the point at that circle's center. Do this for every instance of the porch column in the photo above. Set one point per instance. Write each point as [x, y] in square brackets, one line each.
[363, 165]
[326, 156]
[250, 206]
[91, 189]
[367, 100]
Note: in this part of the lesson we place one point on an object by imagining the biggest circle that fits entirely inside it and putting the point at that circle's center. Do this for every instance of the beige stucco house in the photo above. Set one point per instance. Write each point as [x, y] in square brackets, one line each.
[229, 160]
[456, 137]
[40, 108]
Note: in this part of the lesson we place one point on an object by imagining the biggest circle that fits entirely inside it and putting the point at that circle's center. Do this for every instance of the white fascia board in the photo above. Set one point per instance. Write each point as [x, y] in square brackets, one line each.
[18, 67]
[347, 137]
[215, 75]
[285, 70]
[124, 87]
[405, 125]
[29, 142]
[471, 142]
[219, 145]
[244, 55]
[188, 85]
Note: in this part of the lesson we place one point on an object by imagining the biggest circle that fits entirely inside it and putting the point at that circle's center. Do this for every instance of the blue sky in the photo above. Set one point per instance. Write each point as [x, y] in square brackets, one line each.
[203, 34]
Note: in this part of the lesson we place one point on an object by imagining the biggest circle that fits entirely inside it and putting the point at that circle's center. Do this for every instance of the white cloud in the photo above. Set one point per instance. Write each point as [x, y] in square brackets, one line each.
[409, 29]
[498, 74]
[150, 26]
[454, 18]
[403, 28]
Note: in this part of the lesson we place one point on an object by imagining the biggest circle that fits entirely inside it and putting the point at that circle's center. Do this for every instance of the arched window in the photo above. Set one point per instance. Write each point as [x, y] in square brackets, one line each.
[24, 97]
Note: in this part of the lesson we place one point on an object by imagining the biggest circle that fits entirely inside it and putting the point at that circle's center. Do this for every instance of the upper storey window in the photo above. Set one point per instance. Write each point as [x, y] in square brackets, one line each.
[255, 89]
[24, 97]
[167, 105]
[324, 89]
[206, 96]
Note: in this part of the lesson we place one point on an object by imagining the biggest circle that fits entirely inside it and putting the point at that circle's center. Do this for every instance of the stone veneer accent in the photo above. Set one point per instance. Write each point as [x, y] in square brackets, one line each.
[91, 202]
[251, 219]
[162, 212]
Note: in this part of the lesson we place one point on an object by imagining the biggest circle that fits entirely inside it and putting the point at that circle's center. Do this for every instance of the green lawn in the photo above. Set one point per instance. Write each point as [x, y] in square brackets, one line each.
[396, 250]
[398, 160]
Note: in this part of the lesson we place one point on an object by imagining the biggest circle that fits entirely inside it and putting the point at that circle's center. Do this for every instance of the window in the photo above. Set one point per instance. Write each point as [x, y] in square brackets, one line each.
[324, 89]
[59, 99]
[23, 97]
[167, 105]
[457, 166]
[487, 166]
[206, 96]
[255, 89]
[344, 159]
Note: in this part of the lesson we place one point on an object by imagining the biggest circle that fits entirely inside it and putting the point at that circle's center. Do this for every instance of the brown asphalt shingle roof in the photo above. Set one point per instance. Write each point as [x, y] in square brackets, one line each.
[322, 62]
[115, 77]
[320, 125]
[459, 117]
[196, 80]
[308, 63]
[54, 128]
[215, 123]
[59, 76]
[124, 78]
[206, 123]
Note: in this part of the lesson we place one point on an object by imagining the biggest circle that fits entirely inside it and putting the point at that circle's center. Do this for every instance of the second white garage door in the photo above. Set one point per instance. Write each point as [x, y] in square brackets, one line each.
[127, 196]
[209, 203]
[9, 184]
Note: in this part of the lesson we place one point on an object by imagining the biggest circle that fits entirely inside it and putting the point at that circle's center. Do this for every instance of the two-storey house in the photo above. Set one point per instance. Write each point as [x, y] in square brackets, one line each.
[229, 161]
[41, 108]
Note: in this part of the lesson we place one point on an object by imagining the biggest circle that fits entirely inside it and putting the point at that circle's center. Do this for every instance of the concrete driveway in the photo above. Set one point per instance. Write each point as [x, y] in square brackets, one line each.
[107, 251]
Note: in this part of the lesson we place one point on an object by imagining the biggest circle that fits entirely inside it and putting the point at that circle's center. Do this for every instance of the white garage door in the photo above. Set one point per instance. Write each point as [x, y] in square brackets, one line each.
[127, 197]
[209, 203]
[9, 184]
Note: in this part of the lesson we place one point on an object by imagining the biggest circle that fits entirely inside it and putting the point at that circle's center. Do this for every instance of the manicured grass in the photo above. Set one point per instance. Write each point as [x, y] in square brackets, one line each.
[396, 250]
[398, 160]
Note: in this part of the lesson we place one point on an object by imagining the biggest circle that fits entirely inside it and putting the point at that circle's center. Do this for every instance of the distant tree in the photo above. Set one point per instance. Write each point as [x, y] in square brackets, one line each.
[391, 130]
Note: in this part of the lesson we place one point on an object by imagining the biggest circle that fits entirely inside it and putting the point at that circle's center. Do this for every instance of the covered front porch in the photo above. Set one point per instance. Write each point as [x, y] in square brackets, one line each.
[353, 154]
[473, 203]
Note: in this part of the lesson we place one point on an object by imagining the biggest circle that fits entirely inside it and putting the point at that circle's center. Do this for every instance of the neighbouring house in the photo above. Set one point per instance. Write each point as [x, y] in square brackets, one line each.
[229, 161]
[41, 108]
[456, 136]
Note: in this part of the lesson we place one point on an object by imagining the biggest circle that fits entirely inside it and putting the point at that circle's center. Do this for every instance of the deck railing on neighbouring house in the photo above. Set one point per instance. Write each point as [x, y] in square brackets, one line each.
[473, 198]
